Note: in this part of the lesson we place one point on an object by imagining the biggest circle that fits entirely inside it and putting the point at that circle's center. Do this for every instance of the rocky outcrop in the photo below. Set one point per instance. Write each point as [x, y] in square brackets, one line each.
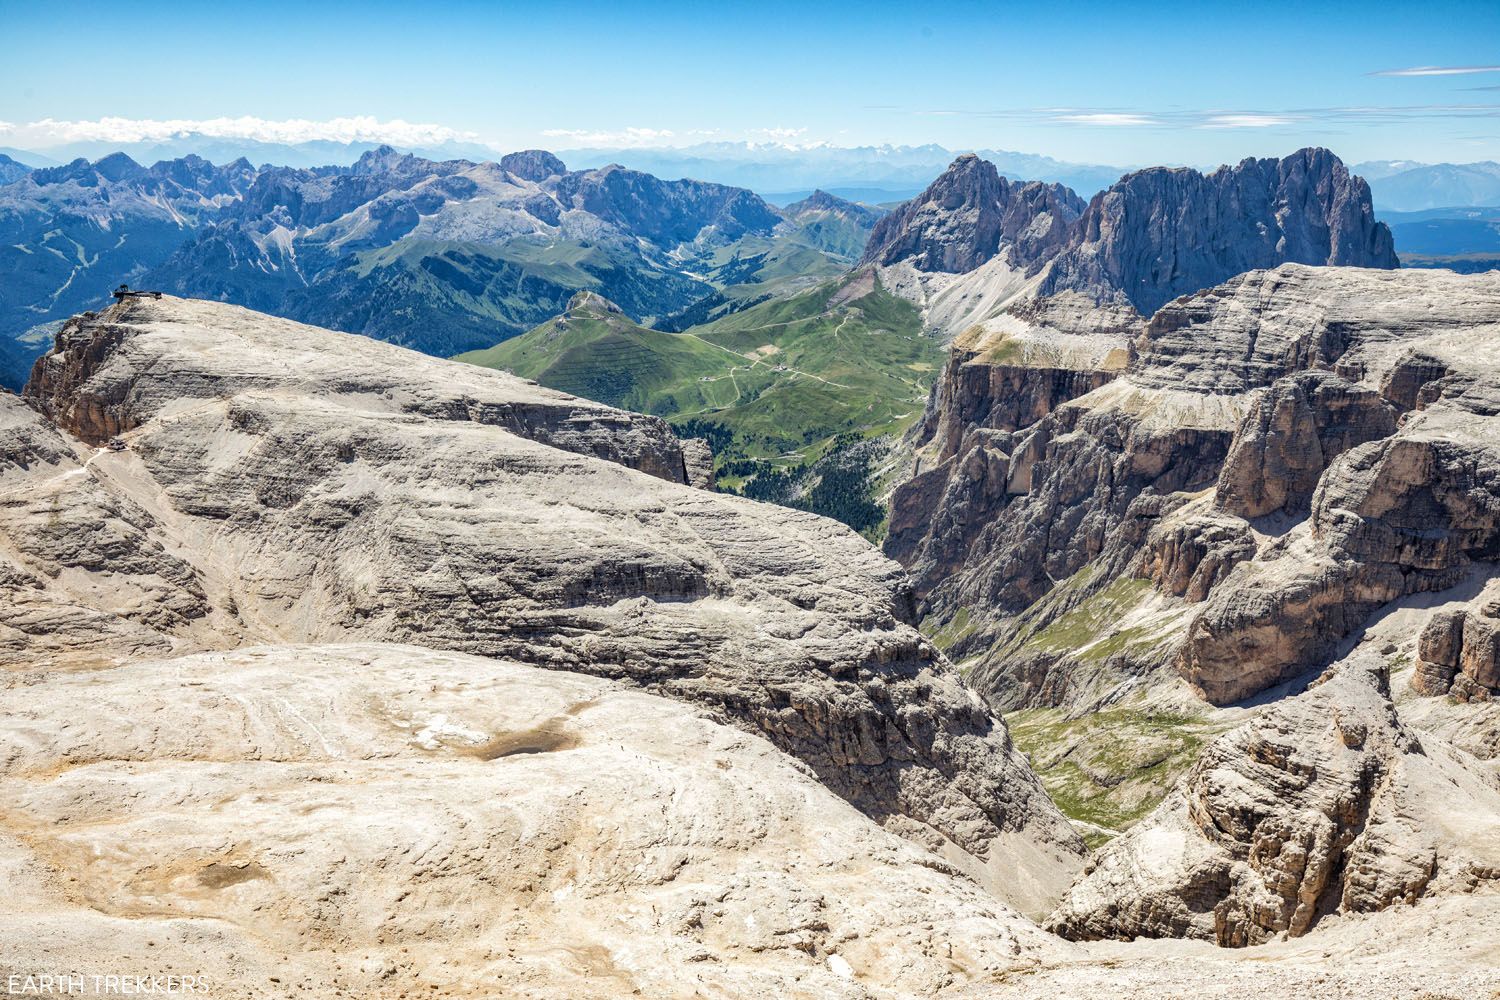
[533, 164]
[1399, 516]
[1070, 480]
[89, 384]
[347, 489]
[970, 425]
[1458, 653]
[1039, 352]
[1326, 803]
[1188, 556]
[1164, 232]
[969, 215]
[1291, 434]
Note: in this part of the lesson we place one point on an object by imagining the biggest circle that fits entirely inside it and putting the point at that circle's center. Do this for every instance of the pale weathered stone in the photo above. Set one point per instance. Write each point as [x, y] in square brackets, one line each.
[1325, 803]
[389, 820]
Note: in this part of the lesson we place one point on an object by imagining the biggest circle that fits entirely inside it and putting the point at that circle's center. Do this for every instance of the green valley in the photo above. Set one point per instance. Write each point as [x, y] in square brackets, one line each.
[798, 395]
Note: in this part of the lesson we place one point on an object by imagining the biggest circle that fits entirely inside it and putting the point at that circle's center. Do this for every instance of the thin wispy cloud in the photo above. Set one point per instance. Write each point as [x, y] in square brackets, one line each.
[1247, 121]
[360, 128]
[1108, 118]
[1216, 118]
[640, 138]
[1436, 71]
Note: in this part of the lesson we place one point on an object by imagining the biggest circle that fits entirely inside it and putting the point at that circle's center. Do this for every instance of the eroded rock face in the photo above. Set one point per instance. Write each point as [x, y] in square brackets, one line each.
[1324, 804]
[970, 214]
[1188, 556]
[83, 570]
[1399, 516]
[1164, 232]
[385, 819]
[331, 488]
[1458, 653]
[1291, 434]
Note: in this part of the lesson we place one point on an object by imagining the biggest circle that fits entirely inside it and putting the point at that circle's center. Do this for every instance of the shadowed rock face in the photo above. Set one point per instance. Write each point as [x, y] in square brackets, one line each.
[1164, 232]
[330, 488]
[1325, 804]
[970, 214]
[1290, 435]
[1459, 654]
[1402, 515]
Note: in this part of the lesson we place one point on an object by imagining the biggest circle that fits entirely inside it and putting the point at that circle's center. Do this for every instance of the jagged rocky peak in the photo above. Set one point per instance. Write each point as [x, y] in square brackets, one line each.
[10, 170]
[533, 164]
[1164, 232]
[387, 160]
[968, 215]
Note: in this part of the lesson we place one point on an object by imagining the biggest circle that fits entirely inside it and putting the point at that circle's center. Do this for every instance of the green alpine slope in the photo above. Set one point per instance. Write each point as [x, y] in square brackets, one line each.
[595, 351]
[777, 388]
[782, 378]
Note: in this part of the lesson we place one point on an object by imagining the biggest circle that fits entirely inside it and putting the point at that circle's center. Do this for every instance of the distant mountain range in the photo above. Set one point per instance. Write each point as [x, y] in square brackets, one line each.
[317, 153]
[783, 173]
[779, 173]
[1405, 186]
[1463, 239]
[444, 256]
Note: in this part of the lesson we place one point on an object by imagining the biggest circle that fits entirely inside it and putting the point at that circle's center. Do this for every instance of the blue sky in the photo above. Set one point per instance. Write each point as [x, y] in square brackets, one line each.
[1109, 83]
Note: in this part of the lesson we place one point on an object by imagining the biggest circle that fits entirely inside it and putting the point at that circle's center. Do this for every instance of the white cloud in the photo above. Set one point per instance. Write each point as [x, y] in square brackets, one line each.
[1246, 121]
[783, 135]
[360, 128]
[1107, 118]
[1437, 71]
[621, 137]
